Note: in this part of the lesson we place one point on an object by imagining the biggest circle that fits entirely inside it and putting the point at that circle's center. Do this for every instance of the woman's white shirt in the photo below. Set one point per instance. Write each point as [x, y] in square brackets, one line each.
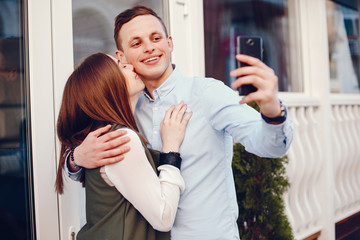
[156, 198]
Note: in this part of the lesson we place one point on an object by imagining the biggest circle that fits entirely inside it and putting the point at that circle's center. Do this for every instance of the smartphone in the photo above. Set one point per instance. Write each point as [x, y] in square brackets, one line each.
[252, 46]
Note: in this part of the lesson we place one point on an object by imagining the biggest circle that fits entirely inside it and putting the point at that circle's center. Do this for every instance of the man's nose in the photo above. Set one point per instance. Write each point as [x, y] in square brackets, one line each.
[148, 46]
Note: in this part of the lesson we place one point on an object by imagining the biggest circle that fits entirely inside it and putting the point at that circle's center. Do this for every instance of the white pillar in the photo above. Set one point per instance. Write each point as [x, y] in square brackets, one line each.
[315, 64]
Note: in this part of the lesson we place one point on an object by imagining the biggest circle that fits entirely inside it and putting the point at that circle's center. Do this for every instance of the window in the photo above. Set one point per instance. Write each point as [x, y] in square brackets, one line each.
[343, 35]
[93, 24]
[16, 209]
[269, 19]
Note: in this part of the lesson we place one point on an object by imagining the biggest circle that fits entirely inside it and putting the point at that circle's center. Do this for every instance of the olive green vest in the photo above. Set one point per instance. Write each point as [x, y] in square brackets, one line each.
[110, 216]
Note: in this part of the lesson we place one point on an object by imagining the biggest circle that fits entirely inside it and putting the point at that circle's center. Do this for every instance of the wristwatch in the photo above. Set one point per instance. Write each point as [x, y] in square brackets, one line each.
[277, 120]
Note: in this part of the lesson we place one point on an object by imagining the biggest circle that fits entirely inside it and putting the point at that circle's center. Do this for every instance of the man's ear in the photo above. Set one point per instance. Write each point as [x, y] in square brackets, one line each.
[170, 43]
[120, 56]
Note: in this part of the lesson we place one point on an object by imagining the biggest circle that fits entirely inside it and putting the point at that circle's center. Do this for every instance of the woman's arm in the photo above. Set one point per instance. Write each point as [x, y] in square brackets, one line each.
[156, 198]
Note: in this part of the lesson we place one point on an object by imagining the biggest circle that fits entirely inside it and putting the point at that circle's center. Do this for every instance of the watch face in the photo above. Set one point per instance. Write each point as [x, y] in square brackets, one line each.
[283, 109]
[283, 112]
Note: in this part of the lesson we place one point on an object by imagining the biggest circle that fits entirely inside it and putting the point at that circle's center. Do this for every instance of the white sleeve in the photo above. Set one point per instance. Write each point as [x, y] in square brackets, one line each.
[156, 198]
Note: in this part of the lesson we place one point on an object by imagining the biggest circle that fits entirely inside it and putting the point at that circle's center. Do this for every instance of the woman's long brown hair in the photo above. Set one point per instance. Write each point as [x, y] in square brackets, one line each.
[95, 94]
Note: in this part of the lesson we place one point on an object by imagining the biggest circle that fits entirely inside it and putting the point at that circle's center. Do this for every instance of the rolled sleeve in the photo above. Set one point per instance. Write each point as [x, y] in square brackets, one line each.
[72, 175]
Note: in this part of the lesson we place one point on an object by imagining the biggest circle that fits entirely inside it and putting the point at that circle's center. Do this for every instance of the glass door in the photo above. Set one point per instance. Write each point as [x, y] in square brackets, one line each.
[93, 24]
[16, 188]
[81, 28]
[273, 21]
[344, 41]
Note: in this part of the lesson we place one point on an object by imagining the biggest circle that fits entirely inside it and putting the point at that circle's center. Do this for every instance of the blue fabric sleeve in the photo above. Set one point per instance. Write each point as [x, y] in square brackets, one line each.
[244, 123]
[72, 175]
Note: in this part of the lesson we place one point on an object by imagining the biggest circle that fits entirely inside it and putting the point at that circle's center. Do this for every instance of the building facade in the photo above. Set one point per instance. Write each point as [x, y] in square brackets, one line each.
[313, 46]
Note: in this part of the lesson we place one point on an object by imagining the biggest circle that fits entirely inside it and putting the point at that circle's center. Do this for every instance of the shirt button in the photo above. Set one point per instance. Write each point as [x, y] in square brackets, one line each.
[155, 108]
[155, 132]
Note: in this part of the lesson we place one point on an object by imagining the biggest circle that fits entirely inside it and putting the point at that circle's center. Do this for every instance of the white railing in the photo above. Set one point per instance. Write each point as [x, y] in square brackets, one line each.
[307, 165]
[346, 151]
[304, 168]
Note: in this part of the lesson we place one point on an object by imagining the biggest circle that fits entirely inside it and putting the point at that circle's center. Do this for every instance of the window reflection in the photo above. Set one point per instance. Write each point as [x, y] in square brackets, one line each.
[224, 20]
[13, 160]
[343, 35]
[93, 24]
[15, 171]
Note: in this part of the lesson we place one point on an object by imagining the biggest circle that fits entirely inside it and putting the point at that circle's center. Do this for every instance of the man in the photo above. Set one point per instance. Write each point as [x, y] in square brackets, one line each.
[208, 207]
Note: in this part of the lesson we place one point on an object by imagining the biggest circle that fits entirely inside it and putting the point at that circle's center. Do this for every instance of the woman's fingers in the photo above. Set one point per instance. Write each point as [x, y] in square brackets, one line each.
[177, 114]
[177, 110]
[169, 112]
[181, 113]
[186, 119]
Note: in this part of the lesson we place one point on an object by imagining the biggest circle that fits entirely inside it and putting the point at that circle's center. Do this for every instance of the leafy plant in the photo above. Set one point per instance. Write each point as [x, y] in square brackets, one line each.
[260, 184]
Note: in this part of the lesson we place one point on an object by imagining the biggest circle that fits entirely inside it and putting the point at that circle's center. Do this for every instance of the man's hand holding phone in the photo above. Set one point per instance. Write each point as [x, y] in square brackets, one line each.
[251, 46]
[263, 78]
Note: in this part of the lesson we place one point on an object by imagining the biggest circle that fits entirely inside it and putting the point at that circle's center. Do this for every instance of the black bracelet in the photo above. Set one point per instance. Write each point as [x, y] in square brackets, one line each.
[72, 157]
[172, 158]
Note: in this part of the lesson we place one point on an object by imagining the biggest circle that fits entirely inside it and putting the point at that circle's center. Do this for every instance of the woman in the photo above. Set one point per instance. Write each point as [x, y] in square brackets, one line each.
[125, 200]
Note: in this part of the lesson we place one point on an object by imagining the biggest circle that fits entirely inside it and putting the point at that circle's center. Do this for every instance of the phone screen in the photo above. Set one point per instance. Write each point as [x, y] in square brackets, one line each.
[251, 46]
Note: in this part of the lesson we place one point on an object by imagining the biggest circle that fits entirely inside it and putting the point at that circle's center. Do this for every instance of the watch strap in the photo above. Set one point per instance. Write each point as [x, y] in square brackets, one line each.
[171, 158]
[277, 120]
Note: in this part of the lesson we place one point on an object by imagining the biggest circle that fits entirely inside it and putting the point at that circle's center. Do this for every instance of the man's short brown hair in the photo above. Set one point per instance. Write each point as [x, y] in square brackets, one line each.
[128, 15]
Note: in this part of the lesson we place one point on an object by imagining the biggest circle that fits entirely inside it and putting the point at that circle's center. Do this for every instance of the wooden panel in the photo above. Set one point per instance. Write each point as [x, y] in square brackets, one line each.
[349, 228]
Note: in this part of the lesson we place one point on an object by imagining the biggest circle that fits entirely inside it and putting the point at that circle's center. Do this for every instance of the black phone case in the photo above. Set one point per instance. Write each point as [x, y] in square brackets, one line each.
[251, 46]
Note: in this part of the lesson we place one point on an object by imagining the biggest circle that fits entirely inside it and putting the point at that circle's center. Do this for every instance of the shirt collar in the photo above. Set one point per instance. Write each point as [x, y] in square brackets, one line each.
[166, 87]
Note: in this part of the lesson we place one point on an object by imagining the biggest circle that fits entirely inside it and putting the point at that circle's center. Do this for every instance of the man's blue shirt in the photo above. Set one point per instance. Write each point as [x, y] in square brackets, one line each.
[208, 207]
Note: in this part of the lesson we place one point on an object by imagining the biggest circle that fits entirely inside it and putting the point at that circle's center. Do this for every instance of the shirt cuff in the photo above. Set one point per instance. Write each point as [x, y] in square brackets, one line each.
[72, 175]
[281, 132]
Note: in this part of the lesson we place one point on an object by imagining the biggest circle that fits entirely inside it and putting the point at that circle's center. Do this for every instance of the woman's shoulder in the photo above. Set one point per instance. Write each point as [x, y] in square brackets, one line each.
[117, 127]
[134, 137]
[135, 147]
[135, 140]
[130, 132]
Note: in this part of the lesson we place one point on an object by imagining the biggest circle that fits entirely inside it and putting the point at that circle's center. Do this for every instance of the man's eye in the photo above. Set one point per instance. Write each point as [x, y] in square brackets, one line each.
[135, 44]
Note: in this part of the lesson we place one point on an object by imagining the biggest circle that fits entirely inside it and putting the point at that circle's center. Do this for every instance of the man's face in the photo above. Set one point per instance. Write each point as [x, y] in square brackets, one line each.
[146, 47]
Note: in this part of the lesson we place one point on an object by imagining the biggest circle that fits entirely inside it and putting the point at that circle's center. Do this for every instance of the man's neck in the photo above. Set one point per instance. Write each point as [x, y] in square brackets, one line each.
[152, 84]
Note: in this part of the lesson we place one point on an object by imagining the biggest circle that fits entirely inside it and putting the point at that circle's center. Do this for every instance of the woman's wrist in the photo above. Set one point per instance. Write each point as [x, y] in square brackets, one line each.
[171, 158]
[167, 149]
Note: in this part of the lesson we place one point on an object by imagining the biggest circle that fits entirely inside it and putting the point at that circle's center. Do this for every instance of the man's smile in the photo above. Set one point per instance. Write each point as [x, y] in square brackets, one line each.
[152, 59]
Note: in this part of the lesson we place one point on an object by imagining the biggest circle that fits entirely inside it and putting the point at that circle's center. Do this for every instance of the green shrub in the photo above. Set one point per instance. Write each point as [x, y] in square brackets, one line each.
[260, 184]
